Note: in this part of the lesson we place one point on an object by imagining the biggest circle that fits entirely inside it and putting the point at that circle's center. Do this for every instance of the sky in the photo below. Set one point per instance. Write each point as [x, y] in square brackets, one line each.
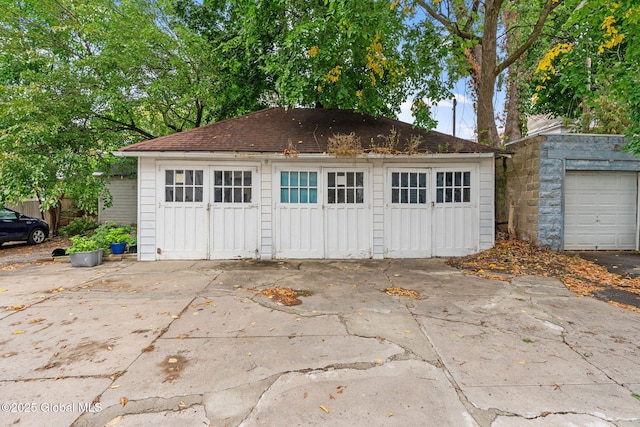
[465, 114]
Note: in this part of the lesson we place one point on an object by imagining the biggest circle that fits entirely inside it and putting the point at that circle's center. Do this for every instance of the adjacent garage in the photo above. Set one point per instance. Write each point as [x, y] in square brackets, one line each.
[241, 189]
[601, 210]
[570, 192]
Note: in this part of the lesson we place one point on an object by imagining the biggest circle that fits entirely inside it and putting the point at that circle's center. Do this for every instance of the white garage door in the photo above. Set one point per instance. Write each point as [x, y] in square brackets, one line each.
[322, 213]
[431, 212]
[182, 213]
[407, 216]
[600, 210]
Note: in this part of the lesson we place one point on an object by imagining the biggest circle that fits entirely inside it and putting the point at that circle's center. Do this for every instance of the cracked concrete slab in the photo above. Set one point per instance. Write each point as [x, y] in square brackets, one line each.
[399, 393]
[605, 401]
[81, 336]
[222, 363]
[156, 283]
[229, 407]
[29, 286]
[239, 316]
[481, 356]
[566, 420]
[55, 402]
[195, 342]
[398, 327]
[193, 416]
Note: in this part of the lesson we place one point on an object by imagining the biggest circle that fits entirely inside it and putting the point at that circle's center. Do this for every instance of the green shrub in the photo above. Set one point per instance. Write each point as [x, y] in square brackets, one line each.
[118, 235]
[78, 226]
[82, 244]
[108, 233]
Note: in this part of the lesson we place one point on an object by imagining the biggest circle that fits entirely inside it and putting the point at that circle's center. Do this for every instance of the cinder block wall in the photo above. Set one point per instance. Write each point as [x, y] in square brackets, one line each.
[517, 179]
[534, 178]
[566, 152]
[551, 192]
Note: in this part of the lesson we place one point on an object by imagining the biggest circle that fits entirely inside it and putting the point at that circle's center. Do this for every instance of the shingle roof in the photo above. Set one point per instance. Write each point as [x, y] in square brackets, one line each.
[307, 130]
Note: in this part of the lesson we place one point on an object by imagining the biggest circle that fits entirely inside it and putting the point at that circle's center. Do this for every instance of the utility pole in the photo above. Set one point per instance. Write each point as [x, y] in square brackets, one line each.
[455, 102]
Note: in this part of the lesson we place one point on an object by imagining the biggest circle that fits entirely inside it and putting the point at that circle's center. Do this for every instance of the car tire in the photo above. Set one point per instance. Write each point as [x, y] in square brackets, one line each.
[36, 236]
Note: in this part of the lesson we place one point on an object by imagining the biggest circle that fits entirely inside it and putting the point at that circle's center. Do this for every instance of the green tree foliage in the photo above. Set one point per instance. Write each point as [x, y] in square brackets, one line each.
[364, 55]
[80, 78]
[476, 32]
[589, 71]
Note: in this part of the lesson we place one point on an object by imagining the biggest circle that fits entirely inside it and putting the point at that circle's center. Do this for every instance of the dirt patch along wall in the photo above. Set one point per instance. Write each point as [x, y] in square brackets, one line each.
[517, 183]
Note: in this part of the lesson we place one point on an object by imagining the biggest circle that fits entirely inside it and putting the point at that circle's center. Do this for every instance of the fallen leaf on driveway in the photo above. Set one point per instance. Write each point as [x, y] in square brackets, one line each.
[123, 401]
[285, 296]
[518, 258]
[114, 421]
[18, 332]
[403, 292]
[324, 408]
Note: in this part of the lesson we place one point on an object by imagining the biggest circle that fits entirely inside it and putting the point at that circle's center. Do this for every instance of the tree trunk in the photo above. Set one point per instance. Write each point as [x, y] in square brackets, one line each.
[487, 130]
[54, 217]
[513, 124]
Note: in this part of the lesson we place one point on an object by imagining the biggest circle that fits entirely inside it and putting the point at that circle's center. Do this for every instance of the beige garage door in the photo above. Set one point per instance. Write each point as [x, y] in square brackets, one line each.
[600, 210]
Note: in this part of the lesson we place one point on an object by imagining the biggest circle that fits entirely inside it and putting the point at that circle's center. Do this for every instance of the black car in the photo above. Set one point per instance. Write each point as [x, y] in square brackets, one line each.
[17, 227]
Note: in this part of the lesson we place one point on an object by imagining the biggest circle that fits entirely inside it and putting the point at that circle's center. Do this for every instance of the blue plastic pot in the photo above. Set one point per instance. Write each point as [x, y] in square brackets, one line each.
[118, 248]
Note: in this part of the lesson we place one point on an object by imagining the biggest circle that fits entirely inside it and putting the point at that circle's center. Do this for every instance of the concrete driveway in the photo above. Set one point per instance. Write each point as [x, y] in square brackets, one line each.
[196, 343]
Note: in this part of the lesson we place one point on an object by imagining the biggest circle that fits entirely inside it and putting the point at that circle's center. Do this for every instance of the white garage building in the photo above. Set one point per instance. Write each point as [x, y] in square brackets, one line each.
[266, 185]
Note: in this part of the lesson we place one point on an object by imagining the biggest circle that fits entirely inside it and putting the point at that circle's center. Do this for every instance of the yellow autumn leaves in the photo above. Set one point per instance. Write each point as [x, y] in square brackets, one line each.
[611, 35]
[376, 62]
[546, 63]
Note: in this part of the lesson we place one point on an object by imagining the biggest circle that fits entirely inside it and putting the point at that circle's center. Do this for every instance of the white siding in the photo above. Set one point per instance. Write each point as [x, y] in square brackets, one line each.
[147, 209]
[378, 210]
[124, 195]
[487, 204]
[266, 212]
